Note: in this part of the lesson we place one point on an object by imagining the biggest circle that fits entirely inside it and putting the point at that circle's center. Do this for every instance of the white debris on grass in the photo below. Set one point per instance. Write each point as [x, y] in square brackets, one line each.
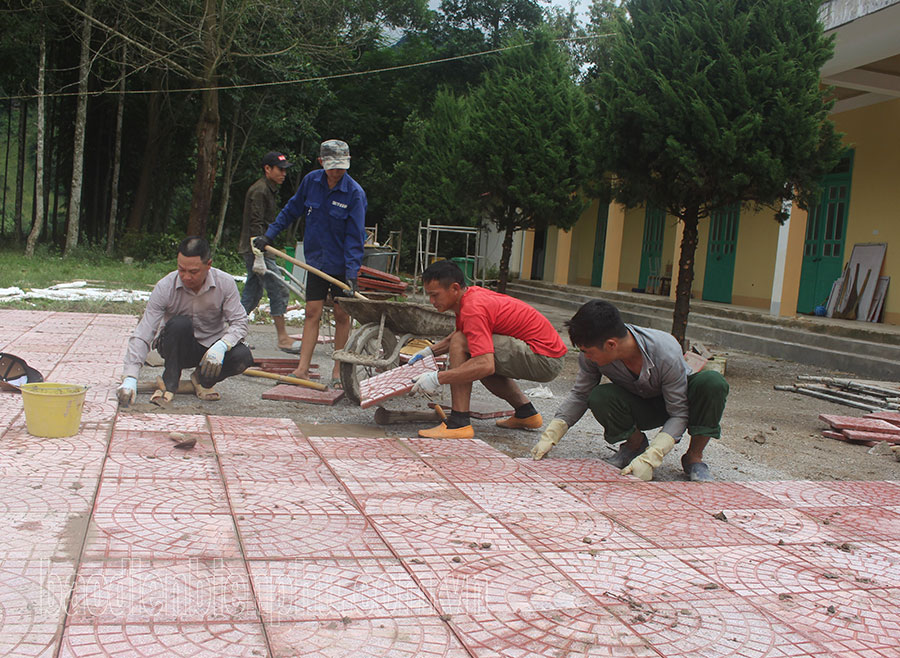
[74, 291]
[539, 392]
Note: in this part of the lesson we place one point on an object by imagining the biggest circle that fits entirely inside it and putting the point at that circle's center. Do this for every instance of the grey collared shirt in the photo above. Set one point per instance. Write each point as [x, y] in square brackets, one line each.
[215, 310]
[664, 372]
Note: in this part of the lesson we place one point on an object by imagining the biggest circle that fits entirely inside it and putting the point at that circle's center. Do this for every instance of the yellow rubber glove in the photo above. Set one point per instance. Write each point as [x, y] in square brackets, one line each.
[642, 466]
[549, 438]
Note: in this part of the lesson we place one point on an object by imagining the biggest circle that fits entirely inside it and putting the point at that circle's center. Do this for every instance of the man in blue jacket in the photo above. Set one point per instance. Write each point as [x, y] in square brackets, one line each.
[334, 206]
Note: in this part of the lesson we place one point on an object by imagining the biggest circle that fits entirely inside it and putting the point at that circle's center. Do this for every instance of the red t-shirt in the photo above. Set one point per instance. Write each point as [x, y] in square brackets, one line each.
[484, 312]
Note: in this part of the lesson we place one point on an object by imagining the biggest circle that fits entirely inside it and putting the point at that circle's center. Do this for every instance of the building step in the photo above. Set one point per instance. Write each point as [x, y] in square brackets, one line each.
[872, 352]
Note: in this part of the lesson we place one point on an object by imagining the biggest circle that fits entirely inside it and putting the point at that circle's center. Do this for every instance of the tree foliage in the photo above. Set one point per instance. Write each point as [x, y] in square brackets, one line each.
[709, 103]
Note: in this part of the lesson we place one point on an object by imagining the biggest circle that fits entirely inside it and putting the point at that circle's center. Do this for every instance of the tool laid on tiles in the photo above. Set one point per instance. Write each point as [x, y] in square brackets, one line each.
[390, 417]
[287, 379]
[181, 441]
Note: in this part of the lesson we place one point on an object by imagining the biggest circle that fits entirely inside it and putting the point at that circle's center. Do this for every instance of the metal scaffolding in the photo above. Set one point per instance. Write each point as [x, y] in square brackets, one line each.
[428, 249]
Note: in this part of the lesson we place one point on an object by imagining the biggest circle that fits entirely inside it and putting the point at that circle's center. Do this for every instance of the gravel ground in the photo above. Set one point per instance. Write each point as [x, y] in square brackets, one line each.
[768, 434]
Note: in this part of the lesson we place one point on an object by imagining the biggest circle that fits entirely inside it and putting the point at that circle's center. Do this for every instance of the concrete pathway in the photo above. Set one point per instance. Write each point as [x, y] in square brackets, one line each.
[261, 541]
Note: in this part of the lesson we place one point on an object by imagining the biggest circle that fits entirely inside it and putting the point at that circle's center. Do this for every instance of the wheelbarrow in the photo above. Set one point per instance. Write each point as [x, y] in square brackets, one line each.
[386, 327]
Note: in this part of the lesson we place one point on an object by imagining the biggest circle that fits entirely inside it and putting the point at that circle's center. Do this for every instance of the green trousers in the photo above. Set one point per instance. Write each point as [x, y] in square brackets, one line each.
[621, 412]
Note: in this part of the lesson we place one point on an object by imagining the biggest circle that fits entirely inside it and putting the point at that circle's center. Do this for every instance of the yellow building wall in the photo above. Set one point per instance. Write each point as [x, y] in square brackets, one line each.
[754, 263]
[550, 253]
[584, 238]
[874, 215]
[632, 238]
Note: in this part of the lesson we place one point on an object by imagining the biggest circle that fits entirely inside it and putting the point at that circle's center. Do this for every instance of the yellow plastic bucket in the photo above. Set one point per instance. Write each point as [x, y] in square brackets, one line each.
[52, 410]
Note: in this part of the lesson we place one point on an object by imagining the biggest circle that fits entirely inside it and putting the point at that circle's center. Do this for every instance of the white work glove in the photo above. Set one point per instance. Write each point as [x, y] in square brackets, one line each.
[426, 384]
[421, 354]
[642, 466]
[259, 261]
[549, 438]
[127, 392]
[211, 363]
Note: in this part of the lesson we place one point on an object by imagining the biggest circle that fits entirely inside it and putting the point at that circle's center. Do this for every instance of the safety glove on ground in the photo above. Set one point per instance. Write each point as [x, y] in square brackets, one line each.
[211, 363]
[642, 466]
[127, 392]
[421, 354]
[549, 438]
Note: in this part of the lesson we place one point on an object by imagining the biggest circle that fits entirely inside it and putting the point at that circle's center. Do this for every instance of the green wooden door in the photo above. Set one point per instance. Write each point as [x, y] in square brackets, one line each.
[599, 245]
[826, 229]
[651, 248]
[723, 231]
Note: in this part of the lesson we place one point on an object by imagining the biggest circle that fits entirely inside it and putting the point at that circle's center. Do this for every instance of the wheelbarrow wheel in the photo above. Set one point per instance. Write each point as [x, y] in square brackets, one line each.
[364, 342]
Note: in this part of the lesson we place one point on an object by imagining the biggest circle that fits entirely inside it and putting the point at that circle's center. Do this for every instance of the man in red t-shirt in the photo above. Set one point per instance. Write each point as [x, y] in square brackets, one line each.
[498, 339]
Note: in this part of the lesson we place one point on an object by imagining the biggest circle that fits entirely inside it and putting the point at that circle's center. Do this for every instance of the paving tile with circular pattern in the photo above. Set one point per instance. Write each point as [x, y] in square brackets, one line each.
[385, 470]
[22, 456]
[307, 590]
[687, 528]
[304, 536]
[34, 591]
[60, 493]
[300, 468]
[761, 570]
[876, 493]
[717, 496]
[780, 526]
[623, 496]
[127, 534]
[858, 564]
[410, 498]
[849, 622]
[478, 468]
[502, 498]
[573, 470]
[41, 536]
[804, 494]
[252, 497]
[153, 456]
[360, 449]
[859, 523]
[631, 575]
[588, 631]
[161, 422]
[284, 442]
[143, 591]
[161, 496]
[443, 448]
[714, 626]
[253, 425]
[213, 640]
[495, 583]
[571, 531]
[446, 534]
[396, 637]
[27, 640]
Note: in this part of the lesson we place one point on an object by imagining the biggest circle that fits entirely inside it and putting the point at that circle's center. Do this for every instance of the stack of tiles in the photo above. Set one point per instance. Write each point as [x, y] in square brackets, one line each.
[868, 430]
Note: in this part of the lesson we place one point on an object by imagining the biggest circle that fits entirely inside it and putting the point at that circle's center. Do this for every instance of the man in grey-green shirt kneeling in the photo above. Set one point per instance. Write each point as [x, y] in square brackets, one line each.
[651, 385]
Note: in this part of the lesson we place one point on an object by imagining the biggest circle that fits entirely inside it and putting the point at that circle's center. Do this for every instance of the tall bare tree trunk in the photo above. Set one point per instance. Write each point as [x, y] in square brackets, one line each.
[20, 169]
[506, 254]
[9, 105]
[226, 181]
[148, 163]
[72, 217]
[117, 159]
[685, 274]
[38, 222]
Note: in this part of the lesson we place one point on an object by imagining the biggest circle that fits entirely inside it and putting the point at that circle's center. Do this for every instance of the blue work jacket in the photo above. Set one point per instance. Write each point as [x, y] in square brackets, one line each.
[335, 223]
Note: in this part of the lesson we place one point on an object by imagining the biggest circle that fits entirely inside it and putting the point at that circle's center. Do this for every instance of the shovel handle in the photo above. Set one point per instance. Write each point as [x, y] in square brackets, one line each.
[309, 268]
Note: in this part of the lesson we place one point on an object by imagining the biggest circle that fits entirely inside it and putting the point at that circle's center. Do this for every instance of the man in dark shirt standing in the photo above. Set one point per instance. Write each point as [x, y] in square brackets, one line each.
[260, 209]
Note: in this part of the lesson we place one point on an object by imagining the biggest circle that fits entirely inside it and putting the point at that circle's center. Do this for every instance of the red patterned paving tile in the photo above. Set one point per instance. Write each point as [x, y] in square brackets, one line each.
[573, 470]
[404, 637]
[623, 496]
[251, 497]
[446, 534]
[253, 425]
[760, 570]
[631, 575]
[28, 640]
[443, 448]
[98, 411]
[22, 456]
[410, 498]
[302, 468]
[139, 591]
[864, 424]
[86, 373]
[858, 522]
[851, 622]
[712, 626]
[385, 470]
[161, 496]
[867, 437]
[156, 457]
[687, 528]
[587, 631]
[161, 422]
[360, 449]
[880, 493]
[33, 592]
[42, 535]
[862, 565]
[477, 468]
[717, 496]
[890, 416]
[571, 531]
[213, 640]
[308, 590]
[495, 583]
[155, 536]
[302, 535]
[804, 494]
[62, 494]
[503, 498]
[397, 381]
[780, 526]
[287, 443]
[291, 393]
